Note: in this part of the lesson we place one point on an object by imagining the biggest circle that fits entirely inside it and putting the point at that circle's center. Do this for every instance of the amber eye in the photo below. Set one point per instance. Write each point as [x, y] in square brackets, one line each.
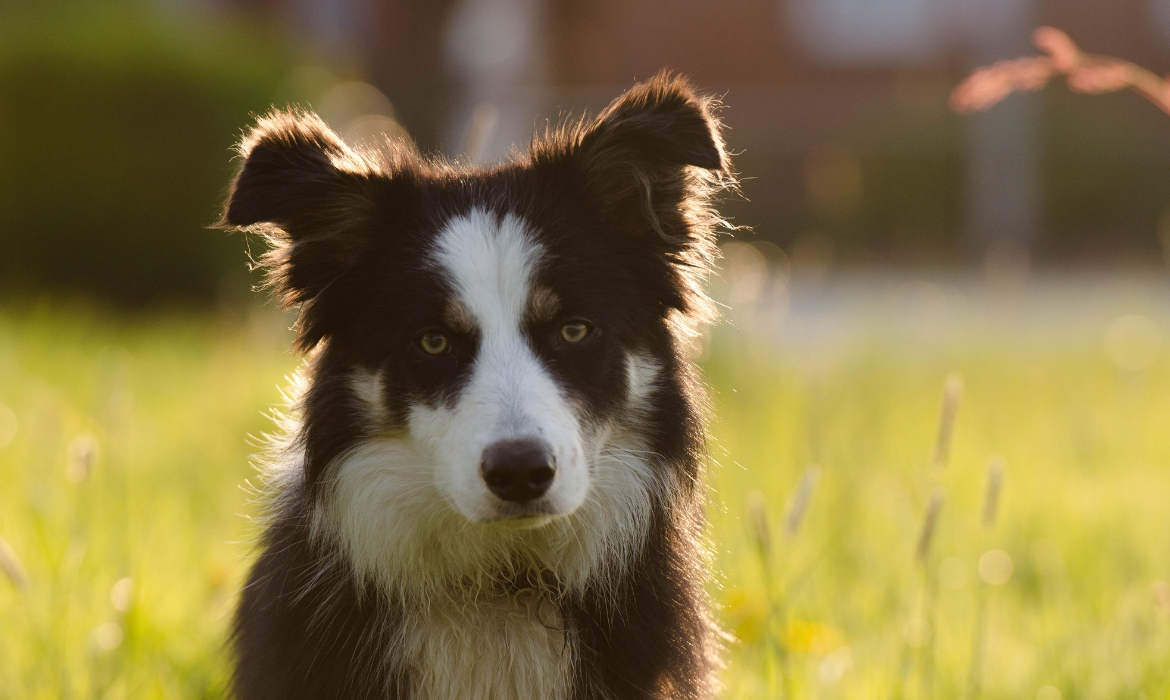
[434, 343]
[575, 331]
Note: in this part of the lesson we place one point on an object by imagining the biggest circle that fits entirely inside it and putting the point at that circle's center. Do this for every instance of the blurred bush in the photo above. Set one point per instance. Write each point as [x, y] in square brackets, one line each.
[116, 127]
[1106, 177]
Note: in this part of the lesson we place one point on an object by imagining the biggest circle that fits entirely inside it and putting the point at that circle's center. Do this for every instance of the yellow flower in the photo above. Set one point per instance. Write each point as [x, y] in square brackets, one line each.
[813, 637]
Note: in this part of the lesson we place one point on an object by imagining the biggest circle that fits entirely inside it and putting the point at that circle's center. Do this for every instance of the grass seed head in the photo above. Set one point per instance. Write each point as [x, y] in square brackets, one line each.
[991, 494]
[758, 520]
[952, 392]
[12, 566]
[83, 454]
[798, 506]
[930, 523]
[1161, 592]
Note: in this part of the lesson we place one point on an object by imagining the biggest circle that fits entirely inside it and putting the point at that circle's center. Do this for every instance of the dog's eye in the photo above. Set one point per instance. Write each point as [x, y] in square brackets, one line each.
[434, 343]
[575, 331]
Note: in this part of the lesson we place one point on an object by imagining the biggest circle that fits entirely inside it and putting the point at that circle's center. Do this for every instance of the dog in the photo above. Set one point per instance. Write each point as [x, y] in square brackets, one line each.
[490, 481]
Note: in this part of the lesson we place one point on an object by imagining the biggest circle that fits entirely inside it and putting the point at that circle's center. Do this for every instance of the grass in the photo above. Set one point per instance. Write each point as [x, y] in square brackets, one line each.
[835, 610]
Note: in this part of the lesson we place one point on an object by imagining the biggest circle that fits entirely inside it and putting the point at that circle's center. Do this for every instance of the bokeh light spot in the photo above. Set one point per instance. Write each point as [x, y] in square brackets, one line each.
[834, 666]
[1133, 341]
[108, 636]
[1048, 692]
[122, 594]
[995, 567]
[745, 271]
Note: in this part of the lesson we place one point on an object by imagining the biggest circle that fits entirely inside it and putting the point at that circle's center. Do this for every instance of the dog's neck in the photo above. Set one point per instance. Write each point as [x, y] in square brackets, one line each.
[505, 639]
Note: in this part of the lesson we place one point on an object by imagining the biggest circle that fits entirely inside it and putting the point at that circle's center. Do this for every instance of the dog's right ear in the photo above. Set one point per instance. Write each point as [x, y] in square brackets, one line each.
[309, 195]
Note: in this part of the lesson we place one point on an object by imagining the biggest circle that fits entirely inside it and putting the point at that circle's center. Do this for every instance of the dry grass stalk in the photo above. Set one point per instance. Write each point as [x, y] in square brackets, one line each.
[12, 566]
[798, 506]
[1087, 73]
[952, 392]
[758, 522]
[991, 494]
[930, 523]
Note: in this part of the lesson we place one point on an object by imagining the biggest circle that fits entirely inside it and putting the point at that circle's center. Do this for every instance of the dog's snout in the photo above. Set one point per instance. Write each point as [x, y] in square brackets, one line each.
[518, 470]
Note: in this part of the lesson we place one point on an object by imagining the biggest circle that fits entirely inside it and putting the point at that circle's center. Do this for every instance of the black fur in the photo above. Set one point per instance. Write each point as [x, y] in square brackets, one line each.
[304, 629]
[621, 202]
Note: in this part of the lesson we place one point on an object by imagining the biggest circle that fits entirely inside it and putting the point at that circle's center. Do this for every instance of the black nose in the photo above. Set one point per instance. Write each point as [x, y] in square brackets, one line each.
[518, 470]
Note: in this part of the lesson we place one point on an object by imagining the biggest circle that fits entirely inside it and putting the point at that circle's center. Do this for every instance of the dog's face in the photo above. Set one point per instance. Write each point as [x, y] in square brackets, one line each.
[498, 383]
[481, 335]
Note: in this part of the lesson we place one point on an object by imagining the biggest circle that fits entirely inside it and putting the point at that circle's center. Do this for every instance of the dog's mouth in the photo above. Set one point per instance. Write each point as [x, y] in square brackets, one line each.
[523, 522]
[522, 516]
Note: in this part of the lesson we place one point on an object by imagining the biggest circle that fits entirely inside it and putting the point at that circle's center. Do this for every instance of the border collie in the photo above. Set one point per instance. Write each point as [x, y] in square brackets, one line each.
[490, 484]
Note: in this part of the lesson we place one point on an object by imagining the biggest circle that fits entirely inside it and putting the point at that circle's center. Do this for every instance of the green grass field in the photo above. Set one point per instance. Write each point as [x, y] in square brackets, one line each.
[124, 455]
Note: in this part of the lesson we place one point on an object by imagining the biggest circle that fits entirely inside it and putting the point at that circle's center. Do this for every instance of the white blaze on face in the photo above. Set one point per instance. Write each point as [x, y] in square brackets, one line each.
[490, 263]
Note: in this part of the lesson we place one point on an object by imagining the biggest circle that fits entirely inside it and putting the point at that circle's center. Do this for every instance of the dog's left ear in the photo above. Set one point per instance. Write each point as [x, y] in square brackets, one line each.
[654, 153]
[315, 201]
[309, 195]
[660, 123]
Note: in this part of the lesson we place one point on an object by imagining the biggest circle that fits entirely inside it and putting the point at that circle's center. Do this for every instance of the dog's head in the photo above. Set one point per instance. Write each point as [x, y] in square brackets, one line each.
[481, 333]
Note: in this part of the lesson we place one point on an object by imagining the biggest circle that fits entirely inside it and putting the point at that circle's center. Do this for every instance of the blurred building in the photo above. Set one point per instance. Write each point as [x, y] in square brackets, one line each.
[837, 107]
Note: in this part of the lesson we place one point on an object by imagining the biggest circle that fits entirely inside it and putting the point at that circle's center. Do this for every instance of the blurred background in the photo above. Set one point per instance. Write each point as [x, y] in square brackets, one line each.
[118, 117]
[1010, 265]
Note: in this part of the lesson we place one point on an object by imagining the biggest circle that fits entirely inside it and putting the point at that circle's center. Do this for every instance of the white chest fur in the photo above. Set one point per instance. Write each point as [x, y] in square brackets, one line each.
[497, 647]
